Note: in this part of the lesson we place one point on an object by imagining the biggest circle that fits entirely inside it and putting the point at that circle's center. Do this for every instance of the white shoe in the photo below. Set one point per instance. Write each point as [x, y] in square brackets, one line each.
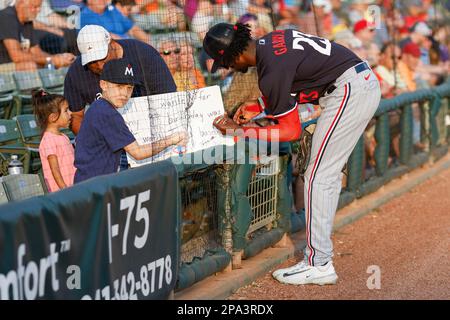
[320, 275]
[298, 266]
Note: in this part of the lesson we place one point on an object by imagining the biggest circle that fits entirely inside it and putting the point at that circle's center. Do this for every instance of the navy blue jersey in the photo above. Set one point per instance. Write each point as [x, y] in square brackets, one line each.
[296, 67]
[102, 137]
[82, 87]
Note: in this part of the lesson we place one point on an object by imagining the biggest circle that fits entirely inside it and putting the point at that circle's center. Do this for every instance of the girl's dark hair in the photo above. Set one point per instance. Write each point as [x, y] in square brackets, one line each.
[240, 42]
[44, 104]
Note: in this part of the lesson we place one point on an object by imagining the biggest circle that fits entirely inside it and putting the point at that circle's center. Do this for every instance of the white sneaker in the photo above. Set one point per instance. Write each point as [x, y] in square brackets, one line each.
[298, 266]
[320, 275]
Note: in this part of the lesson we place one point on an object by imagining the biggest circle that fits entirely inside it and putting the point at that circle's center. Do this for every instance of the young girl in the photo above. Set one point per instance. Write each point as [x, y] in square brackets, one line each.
[55, 150]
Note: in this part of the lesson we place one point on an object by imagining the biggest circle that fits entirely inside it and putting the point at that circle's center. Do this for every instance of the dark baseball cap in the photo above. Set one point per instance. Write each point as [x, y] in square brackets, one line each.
[119, 71]
[217, 40]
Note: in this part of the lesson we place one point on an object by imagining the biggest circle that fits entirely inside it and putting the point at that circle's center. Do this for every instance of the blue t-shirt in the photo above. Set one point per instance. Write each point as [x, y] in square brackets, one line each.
[102, 137]
[111, 19]
[82, 86]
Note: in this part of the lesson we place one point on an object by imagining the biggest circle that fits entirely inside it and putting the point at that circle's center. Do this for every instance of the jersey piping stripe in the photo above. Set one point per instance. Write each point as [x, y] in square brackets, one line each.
[287, 112]
[316, 166]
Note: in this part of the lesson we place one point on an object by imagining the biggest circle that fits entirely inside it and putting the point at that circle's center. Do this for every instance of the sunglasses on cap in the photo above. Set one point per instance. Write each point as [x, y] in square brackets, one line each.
[169, 52]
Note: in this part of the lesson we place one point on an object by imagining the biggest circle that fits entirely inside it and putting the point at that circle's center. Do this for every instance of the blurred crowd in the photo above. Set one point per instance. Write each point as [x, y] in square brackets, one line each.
[406, 42]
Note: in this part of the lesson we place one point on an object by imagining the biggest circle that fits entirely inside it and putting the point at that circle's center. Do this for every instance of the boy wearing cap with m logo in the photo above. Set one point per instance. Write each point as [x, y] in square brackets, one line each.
[103, 133]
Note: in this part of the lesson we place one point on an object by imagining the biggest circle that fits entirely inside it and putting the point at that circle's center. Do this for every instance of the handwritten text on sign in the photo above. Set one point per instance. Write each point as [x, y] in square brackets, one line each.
[153, 118]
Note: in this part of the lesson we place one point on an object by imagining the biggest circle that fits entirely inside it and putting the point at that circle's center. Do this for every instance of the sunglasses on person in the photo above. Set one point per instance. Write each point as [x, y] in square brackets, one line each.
[169, 52]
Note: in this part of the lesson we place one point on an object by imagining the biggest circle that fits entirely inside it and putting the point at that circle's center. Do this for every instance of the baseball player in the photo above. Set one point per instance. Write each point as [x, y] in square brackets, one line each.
[295, 68]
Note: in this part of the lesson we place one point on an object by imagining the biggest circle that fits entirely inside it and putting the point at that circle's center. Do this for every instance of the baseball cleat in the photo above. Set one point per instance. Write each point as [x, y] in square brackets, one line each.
[298, 266]
[306, 274]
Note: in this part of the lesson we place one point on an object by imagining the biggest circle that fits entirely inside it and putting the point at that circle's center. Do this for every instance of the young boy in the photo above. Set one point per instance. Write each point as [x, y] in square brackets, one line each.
[103, 134]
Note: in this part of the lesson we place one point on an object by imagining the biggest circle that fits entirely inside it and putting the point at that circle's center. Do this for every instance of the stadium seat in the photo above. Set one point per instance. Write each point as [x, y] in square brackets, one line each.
[53, 80]
[3, 195]
[31, 135]
[7, 86]
[29, 131]
[26, 81]
[11, 143]
[22, 186]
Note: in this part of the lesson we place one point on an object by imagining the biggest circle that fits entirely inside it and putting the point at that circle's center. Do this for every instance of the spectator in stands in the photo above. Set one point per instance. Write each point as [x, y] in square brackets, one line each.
[289, 12]
[252, 21]
[407, 68]
[207, 12]
[188, 77]
[421, 36]
[339, 15]
[167, 13]
[419, 33]
[414, 12]
[259, 7]
[104, 134]
[441, 35]
[347, 39]
[63, 5]
[173, 14]
[57, 34]
[101, 13]
[5, 3]
[19, 46]
[55, 150]
[359, 10]
[170, 52]
[262, 9]
[125, 7]
[238, 7]
[190, 7]
[390, 75]
[364, 32]
[81, 86]
[318, 21]
[408, 64]
[390, 55]
[202, 18]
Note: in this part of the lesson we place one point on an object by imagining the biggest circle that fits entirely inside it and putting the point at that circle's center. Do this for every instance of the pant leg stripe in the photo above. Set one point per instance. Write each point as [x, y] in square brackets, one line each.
[316, 166]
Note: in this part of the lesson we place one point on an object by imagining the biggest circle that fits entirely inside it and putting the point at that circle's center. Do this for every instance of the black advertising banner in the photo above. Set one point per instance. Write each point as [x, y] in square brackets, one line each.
[112, 237]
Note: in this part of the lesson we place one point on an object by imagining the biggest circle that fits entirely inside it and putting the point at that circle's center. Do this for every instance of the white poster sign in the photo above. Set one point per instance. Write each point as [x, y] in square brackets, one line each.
[152, 118]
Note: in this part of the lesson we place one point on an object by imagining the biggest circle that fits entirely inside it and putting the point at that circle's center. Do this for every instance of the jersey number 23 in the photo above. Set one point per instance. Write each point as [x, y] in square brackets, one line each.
[312, 41]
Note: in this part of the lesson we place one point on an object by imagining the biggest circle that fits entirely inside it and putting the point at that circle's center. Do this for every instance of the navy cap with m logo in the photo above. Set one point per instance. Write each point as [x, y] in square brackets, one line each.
[119, 71]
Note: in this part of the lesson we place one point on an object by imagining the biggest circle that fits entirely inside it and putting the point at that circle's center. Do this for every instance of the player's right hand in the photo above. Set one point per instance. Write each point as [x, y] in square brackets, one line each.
[246, 112]
[180, 138]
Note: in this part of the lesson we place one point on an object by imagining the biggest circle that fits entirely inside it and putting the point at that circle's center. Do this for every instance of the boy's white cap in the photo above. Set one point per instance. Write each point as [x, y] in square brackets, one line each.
[93, 42]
